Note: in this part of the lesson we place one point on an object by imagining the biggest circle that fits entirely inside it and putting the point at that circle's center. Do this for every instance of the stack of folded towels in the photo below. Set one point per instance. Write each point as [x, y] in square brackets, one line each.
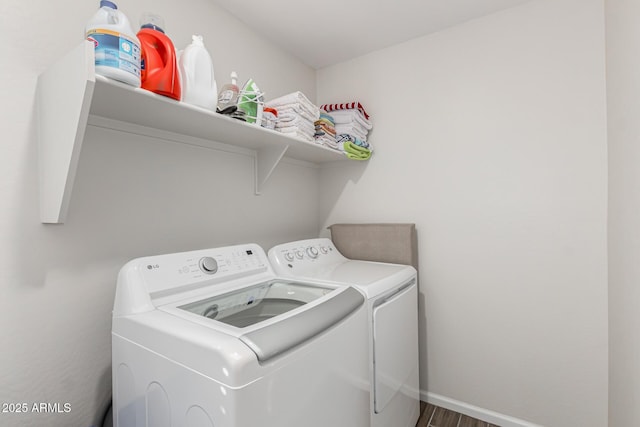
[352, 126]
[296, 115]
[326, 131]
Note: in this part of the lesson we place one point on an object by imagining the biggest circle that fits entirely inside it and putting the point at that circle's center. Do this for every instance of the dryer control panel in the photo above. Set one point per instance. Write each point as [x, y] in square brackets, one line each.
[305, 254]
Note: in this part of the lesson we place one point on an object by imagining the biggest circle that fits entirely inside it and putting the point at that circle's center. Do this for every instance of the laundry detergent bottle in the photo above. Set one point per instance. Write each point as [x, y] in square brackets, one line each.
[117, 49]
[159, 68]
[197, 77]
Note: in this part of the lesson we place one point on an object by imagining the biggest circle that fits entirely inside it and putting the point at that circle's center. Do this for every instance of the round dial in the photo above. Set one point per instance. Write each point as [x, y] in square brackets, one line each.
[208, 265]
[312, 252]
[299, 254]
[324, 249]
[288, 256]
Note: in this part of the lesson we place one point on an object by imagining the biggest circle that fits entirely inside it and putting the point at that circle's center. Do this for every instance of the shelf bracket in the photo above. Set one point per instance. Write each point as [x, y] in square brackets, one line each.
[64, 99]
[265, 162]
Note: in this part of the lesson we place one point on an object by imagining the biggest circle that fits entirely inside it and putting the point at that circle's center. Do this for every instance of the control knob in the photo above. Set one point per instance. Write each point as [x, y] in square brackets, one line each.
[208, 265]
[288, 256]
[299, 254]
[312, 252]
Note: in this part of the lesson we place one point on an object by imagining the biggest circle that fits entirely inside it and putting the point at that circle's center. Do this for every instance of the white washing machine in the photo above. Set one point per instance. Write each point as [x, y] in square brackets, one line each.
[392, 294]
[213, 338]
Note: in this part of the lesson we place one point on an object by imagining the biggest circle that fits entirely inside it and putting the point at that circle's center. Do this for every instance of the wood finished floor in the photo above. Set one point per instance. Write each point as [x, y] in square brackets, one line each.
[435, 416]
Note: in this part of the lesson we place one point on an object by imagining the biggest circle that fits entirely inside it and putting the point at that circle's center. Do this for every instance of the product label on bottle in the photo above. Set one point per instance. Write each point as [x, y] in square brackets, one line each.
[225, 96]
[116, 50]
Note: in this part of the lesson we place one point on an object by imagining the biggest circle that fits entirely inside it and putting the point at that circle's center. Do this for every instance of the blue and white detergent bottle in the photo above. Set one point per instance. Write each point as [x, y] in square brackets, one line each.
[117, 47]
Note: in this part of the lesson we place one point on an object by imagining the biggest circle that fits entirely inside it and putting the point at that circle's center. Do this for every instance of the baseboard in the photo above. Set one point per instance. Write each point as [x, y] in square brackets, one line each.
[474, 411]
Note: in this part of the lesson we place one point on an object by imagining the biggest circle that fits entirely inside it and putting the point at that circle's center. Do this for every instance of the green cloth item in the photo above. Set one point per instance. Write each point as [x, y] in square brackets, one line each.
[355, 152]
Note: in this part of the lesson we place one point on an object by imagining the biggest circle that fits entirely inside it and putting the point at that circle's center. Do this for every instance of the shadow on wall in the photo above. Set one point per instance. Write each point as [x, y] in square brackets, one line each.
[104, 417]
[38, 248]
[422, 338]
[335, 180]
[26, 225]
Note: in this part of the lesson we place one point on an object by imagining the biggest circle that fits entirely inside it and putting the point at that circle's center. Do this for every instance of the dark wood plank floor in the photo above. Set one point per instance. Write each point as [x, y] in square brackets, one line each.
[435, 416]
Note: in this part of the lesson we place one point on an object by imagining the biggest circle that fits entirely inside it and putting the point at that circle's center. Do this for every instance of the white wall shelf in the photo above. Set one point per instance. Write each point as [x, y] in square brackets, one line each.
[71, 95]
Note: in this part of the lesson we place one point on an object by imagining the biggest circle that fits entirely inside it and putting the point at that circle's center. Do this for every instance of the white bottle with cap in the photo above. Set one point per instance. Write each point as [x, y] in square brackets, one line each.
[198, 79]
[117, 49]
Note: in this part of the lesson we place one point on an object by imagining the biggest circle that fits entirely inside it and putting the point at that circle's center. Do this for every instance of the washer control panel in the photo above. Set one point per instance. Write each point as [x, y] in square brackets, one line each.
[164, 273]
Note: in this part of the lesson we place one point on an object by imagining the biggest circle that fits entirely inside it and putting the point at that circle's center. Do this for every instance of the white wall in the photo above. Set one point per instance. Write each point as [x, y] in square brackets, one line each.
[623, 93]
[133, 196]
[491, 137]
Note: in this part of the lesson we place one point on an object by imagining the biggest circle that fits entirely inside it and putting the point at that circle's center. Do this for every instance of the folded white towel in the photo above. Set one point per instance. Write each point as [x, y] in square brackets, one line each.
[352, 130]
[290, 98]
[348, 127]
[350, 116]
[300, 127]
[295, 98]
[343, 119]
[289, 114]
[308, 130]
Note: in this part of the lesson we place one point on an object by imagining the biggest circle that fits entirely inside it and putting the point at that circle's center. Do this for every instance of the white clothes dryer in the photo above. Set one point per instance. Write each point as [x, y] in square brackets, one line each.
[392, 295]
[213, 338]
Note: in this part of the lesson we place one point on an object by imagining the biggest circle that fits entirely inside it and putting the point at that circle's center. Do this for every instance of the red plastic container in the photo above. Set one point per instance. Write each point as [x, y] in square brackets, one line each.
[159, 70]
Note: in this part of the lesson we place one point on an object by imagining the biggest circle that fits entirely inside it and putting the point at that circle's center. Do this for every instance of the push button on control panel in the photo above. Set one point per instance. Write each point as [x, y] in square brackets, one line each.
[208, 265]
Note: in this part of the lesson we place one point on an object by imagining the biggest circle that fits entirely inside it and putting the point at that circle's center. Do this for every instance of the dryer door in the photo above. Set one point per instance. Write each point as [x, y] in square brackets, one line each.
[395, 344]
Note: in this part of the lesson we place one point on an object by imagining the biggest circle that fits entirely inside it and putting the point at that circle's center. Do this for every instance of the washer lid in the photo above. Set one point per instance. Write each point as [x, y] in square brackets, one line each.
[272, 317]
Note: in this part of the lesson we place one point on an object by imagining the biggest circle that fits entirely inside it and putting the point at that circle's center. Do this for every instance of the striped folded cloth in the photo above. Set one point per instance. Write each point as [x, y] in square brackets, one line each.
[345, 106]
